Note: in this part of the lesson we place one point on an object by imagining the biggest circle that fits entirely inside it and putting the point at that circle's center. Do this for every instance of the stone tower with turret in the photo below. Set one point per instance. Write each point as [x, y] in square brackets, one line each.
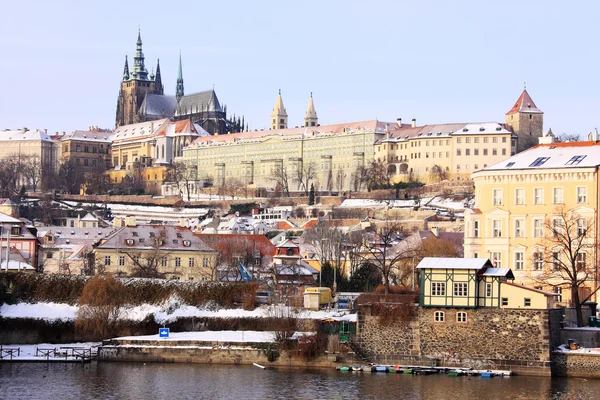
[526, 121]
[279, 117]
[310, 118]
[134, 86]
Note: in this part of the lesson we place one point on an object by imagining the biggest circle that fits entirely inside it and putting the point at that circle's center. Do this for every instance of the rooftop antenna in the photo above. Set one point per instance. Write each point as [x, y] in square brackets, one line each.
[524, 85]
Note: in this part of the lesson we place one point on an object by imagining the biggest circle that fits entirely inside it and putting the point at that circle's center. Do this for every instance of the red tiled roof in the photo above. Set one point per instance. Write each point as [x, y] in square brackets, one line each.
[310, 224]
[285, 225]
[217, 240]
[524, 104]
[569, 144]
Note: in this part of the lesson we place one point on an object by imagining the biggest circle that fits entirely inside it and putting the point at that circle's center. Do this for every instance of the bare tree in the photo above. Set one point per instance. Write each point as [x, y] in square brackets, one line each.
[378, 176]
[567, 257]
[328, 243]
[380, 248]
[281, 178]
[32, 170]
[147, 263]
[183, 176]
[437, 173]
[304, 175]
[359, 178]
[568, 137]
[97, 180]
[70, 177]
[340, 177]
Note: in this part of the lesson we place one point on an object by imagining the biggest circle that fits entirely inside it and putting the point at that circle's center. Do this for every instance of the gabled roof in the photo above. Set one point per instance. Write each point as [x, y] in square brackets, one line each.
[524, 104]
[7, 219]
[501, 272]
[454, 263]
[143, 236]
[139, 130]
[198, 102]
[21, 135]
[156, 105]
[87, 136]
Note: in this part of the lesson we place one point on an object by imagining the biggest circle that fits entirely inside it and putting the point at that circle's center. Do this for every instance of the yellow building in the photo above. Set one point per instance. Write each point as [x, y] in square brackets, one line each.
[474, 283]
[522, 205]
[150, 145]
[172, 251]
[333, 157]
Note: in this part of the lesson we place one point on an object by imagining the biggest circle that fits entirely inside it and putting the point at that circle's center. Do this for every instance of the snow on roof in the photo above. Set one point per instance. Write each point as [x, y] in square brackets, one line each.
[453, 263]
[21, 135]
[481, 128]
[552, 155]
[7, 219]
[503, 272]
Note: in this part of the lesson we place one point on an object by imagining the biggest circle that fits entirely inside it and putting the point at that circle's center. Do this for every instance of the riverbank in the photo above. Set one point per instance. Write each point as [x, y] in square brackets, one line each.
[214, 347]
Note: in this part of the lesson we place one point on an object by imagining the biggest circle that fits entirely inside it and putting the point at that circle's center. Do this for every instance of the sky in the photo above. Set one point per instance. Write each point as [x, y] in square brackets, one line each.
[436, 61]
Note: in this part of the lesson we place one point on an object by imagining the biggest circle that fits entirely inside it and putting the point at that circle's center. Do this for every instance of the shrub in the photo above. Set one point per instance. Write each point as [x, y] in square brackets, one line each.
[100, 306]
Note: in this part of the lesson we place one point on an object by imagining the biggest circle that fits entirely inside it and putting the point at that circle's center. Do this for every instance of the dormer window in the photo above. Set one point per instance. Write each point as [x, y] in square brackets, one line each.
[187, 243]
[15, 230]
[179, 235]
[134, 234]
[129, 242]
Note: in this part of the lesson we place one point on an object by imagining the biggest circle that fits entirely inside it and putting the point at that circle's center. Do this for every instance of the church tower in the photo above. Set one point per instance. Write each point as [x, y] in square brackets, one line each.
[310, 118]
[179, 93]
[279, 117]
[526, 121]
[134, 87]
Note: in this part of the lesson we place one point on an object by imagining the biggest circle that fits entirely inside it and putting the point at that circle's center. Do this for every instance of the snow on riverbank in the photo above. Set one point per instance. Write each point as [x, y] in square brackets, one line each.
[29, 352]
[211, 336]
[47, 311]
[163, 313]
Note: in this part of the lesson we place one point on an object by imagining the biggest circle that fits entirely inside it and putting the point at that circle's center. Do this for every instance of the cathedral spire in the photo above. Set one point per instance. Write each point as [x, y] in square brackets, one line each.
[158, 79]
[179, 90]
[139, 70]
[310, 118]
[126, 70]
[279, 117]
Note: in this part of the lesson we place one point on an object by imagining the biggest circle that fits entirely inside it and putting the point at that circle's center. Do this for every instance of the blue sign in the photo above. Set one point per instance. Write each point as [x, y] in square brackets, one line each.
[163, 332]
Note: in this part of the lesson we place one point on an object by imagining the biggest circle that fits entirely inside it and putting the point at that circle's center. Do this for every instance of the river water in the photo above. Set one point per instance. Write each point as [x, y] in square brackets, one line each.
[192, 381]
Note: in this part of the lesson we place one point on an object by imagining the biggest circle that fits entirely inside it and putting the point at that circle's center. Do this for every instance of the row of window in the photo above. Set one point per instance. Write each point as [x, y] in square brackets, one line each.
[539, 260]
[163, 261]
[476, 152]
[485, 140]
[460, 289]
[538, 227]
[440, 316]
[558, 196]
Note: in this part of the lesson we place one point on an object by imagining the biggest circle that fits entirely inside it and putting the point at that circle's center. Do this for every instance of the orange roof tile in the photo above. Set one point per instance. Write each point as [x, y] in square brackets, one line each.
[524, 104]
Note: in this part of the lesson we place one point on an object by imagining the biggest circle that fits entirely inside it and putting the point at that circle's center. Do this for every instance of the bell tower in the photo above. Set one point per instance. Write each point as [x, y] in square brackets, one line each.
[279, 117]
[310, 118]
[134, 87]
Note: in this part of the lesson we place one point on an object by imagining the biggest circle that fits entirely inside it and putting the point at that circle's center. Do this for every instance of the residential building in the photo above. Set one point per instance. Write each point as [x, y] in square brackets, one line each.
[520, 200]
[468, 283]
[89, 150]
[171, 251]
[16, 236]
[67, 249]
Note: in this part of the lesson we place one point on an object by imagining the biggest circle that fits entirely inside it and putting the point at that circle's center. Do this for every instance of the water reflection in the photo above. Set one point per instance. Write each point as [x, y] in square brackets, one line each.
[188, 381]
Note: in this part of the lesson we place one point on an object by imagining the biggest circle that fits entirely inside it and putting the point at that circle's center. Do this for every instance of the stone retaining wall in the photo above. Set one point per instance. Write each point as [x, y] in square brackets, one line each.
[492, 338]
[576, 365]
[206, 355]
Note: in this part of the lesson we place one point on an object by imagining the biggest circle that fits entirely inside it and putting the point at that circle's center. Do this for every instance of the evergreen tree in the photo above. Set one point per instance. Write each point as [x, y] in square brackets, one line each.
[365, 279]
[311, 195]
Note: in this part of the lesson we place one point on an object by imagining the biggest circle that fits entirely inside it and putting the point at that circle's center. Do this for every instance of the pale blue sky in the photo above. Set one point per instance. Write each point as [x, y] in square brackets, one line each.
[437, 61]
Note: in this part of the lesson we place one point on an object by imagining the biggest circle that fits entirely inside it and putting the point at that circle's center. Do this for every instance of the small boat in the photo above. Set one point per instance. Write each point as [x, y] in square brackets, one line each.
[407, 371]
[345, 368]
[456, 372]
[379, 368]
[356, 368]
[425, 371]
[487, 374]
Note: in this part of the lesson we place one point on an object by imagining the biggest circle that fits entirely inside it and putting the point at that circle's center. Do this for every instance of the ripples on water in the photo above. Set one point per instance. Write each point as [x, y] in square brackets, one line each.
[190, 381]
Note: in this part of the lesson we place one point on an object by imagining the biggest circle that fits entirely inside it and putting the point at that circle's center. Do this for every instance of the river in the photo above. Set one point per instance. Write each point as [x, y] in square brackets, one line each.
[193, 381]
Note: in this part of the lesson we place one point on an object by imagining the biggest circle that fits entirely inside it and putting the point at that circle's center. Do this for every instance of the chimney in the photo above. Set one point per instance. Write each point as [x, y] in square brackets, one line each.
[436, 231]
[24, 129]
[414, 123]
[45, 130]
[593, 136]
[399, 122]
[130, 221]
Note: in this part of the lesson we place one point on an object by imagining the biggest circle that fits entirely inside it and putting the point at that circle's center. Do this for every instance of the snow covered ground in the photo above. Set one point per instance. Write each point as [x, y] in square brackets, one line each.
[431, 202]
[165, 313]
[212, 336]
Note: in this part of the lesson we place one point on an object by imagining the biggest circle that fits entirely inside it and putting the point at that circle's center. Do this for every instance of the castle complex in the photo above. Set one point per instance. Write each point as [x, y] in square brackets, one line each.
[142, 98]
